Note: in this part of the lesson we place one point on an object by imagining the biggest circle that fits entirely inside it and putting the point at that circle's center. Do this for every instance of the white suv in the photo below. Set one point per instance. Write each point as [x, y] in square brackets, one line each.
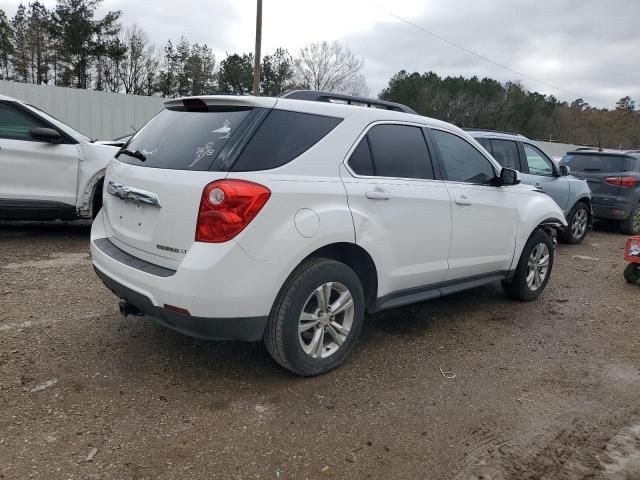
[48, 170]
[288, 218]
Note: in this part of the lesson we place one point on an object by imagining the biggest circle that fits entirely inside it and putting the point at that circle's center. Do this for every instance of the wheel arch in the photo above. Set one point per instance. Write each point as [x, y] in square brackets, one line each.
[87, 205]
[356, 258]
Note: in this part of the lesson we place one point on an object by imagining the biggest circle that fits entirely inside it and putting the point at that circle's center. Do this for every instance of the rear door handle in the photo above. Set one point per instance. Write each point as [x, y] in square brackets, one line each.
[378, 194]
[463, 200]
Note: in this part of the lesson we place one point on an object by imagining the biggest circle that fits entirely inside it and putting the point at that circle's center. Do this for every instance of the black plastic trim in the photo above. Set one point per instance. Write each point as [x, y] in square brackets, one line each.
[108, 248]
[428, 292]
[36, 210]
[248, 329]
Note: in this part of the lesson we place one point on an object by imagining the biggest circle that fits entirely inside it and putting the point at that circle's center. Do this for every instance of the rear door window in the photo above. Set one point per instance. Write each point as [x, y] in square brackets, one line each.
[361, 162]
[400, 151]
[461, 161]
[183, 140]
[486, 143]
[506, 153]
[283, 136]
[595, 163]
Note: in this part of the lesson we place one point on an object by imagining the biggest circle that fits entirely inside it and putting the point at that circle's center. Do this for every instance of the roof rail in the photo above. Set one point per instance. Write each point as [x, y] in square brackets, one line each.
[488, 130]
[314, 96]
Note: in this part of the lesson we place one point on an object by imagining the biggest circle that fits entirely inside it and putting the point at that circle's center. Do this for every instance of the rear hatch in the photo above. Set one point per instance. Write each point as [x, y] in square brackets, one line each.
[153, 189]
[595, 168]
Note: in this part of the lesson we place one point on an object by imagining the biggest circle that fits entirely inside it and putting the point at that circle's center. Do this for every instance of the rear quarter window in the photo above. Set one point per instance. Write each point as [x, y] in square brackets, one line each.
[282, 137]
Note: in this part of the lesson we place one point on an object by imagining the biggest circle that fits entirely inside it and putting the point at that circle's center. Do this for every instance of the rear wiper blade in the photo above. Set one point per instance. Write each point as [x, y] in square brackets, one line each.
[137, 154]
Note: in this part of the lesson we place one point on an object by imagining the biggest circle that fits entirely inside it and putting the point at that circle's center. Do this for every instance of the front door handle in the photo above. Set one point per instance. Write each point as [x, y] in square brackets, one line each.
[378, 194]
[463, 200]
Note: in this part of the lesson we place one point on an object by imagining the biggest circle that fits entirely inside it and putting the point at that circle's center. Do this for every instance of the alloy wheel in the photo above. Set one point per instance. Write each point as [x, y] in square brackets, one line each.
[538, 266]
[580, 223]
[326, 320]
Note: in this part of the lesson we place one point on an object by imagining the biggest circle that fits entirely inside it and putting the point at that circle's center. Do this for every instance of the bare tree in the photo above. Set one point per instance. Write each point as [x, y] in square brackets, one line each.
[134, 69]
[330, 67]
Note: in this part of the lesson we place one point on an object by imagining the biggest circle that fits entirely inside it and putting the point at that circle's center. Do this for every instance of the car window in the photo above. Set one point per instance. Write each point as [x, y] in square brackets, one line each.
[486, 143]
[399, 151]
[506, 153]
[360, 161]
[537, 162]
[183, 140]
[461, 161]
[595, 163]
[283, 136]
[16, 125]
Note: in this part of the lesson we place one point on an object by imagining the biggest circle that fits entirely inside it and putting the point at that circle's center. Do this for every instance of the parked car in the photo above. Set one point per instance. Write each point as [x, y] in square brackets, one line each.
[48, 170]
[237, 217]
[536, 168]
[614, 178]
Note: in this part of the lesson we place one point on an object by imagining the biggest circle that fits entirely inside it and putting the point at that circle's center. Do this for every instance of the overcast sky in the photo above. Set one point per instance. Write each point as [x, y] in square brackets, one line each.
[590, 48]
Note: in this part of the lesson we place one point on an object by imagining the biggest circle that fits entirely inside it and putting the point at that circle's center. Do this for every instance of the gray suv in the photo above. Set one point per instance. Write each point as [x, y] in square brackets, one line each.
[573, 196]
[614, 178]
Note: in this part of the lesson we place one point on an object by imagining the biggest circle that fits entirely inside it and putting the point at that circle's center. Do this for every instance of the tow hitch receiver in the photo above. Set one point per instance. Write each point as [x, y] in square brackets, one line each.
[127, 309]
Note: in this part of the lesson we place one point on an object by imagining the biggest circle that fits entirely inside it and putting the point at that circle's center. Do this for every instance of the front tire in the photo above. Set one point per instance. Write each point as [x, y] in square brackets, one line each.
[534, 268]
[317, 317]
[578, 224]
[631, 226]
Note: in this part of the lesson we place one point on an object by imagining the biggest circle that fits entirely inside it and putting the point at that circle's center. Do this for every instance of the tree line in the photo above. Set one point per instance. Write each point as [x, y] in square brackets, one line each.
[487, 103]
[70, 45]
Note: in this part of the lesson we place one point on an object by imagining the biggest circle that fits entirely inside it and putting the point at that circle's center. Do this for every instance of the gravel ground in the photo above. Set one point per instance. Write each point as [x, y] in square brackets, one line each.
[548, 389]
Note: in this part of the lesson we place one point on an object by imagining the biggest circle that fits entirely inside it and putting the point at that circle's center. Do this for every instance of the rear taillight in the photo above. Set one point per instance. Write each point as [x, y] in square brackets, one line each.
[227, 207]
[627, 182]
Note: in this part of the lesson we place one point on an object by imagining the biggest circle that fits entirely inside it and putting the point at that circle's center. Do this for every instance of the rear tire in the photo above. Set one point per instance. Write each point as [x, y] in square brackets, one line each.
[304, 333]
[578, 224]
[96, 201]
[632, 273]
[534, 268]
[631, 226]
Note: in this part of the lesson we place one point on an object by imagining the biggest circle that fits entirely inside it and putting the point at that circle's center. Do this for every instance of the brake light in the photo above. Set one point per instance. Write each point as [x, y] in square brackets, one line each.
[227, 207]
[627, 182]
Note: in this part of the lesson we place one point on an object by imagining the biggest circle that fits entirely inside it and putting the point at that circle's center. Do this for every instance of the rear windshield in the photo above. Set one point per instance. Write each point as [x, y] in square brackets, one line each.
[183, 140]
[597, 163]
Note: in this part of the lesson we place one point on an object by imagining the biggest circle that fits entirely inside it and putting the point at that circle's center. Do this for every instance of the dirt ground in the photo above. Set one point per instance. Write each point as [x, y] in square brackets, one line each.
[548, 389]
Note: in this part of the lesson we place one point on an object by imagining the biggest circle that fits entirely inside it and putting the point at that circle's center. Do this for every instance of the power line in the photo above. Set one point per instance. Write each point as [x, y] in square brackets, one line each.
[482, 57]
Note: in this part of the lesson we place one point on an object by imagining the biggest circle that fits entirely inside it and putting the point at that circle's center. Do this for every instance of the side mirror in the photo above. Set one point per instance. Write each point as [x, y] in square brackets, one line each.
[48, 135]
[564, 170]
[509, 176]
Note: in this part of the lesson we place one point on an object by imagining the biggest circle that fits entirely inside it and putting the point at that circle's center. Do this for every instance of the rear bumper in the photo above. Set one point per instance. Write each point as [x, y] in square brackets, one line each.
[619, 211]
[228, 294]
[249, 329]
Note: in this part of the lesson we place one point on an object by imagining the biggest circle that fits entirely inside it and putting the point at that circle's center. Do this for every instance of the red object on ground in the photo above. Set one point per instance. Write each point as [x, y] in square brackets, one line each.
[632, 250]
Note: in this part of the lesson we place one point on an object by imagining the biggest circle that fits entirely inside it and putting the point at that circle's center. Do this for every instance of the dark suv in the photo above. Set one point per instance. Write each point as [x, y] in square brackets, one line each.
[614, 178]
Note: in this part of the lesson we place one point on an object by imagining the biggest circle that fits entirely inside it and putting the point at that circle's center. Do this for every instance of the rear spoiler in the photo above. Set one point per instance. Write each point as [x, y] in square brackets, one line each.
[225, 101]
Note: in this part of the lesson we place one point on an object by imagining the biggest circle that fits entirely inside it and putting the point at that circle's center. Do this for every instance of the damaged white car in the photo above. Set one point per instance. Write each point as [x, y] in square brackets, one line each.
[48, 170]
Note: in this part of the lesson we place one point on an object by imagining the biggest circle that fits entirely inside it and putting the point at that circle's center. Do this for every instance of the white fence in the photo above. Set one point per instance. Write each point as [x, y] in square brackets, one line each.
[99, 115]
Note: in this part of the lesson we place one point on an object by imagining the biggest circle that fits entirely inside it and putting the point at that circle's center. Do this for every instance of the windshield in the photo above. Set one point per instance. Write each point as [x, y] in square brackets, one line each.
[183, 140]
[61, 125]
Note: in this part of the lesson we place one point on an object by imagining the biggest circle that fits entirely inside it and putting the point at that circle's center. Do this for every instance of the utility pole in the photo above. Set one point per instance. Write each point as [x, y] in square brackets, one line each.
[256, 66]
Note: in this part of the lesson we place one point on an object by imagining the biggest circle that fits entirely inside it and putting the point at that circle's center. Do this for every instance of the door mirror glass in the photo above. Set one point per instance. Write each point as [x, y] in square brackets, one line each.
[42, 134]
[509, 176]
[564, 170]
